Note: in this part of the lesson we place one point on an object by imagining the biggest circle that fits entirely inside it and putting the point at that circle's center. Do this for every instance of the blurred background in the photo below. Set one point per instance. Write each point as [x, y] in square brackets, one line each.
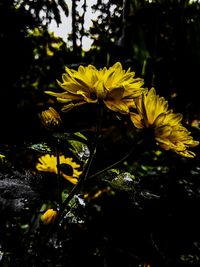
[144, 212]
[158, 39]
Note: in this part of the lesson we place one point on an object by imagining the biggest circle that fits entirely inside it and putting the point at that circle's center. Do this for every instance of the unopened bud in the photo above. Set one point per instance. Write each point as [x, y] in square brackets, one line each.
[50, 118]
[49, 216]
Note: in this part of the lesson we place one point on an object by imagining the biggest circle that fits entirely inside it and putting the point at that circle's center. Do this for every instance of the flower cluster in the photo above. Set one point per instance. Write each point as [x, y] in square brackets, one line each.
[48, 163]
[121, 92]
[114, 86]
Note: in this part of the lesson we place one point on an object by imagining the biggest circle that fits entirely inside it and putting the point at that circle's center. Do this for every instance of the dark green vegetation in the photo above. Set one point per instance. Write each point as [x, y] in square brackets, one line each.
[146, 209]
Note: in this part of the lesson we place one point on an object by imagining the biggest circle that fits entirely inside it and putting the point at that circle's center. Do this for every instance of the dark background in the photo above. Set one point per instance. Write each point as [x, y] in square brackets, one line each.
[153, 221]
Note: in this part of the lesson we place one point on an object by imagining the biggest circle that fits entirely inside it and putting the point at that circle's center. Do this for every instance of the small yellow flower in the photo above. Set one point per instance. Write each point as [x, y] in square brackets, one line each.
[50, 118]
[49, 216]
[152, 112]
[116, 87]
[48, 163]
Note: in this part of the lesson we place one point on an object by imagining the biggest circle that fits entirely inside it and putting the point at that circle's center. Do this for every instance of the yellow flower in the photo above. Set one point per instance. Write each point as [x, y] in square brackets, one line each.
[116, 87]
[152, 112]
[50, 118]
[49, 216]
[176, 138]
[48, 163]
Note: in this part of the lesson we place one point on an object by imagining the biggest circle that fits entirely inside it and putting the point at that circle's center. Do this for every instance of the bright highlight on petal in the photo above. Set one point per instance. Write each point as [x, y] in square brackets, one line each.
[115, 86]
[48, 163]
[49, 216]
[152, 112]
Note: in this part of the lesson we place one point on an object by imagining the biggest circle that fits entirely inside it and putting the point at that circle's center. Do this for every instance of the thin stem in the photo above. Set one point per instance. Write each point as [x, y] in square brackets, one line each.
[133, 148]
[84, 174]
[112, 165]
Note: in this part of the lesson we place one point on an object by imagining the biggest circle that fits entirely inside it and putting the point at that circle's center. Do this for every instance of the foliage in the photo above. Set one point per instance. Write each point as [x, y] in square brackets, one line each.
[28, 54]
[95, 186]
[160, 39]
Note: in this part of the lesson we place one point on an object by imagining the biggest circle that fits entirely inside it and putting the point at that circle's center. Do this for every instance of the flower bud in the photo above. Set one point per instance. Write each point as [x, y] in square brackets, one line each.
[50, 118]
[49, 216]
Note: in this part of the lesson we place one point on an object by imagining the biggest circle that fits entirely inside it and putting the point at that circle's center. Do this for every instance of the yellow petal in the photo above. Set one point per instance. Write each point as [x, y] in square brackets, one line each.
[163, 131]
[69, 106]
[70, 178]
[49, 216]
[117, 106]
[136, 120]
[116, 93]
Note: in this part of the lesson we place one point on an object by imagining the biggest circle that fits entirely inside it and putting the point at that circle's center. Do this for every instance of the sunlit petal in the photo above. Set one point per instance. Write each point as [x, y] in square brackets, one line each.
[91, 85]
[48, 163]
[152, 112]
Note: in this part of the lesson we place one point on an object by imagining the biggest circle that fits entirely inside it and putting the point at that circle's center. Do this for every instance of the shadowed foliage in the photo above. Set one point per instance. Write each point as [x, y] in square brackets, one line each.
[111, 193]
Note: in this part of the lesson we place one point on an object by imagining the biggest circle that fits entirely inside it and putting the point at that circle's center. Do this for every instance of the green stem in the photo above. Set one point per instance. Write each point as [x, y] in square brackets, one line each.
[112, 165]
[133, 148]
[84, 175]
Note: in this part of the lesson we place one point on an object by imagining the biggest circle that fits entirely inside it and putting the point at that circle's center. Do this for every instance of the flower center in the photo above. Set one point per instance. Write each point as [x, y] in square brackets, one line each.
[93, 96]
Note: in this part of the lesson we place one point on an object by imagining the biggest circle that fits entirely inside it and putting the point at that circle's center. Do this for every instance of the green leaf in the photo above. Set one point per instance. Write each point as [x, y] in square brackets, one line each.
[73, 136]
[79, 149]
[41, 147]
[124, 181]
[81, 136]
